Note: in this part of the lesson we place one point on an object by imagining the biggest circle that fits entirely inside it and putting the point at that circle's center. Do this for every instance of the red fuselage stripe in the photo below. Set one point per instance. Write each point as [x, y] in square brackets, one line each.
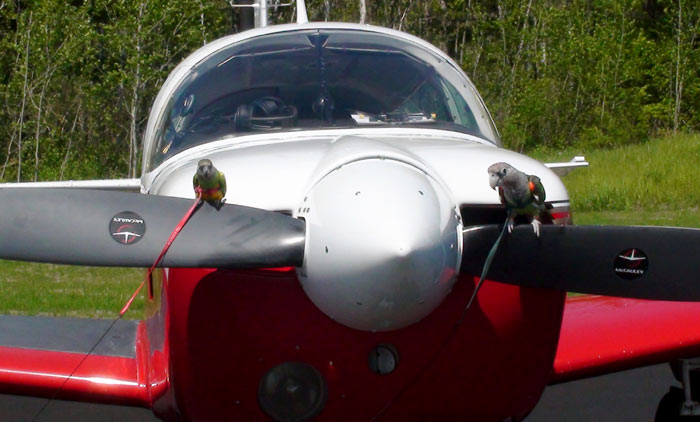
[103, 379]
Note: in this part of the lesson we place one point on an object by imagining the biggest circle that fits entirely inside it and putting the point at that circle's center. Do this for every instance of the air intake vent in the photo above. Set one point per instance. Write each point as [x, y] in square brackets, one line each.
[477, 215]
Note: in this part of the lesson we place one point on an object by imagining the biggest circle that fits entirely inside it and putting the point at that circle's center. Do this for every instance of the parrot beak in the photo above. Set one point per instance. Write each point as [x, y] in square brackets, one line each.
[204, 172]
[494, 180]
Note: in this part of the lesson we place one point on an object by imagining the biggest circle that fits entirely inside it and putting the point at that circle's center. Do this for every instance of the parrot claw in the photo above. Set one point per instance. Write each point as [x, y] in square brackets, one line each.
[536, 226]
[510, 226]
[220, 204]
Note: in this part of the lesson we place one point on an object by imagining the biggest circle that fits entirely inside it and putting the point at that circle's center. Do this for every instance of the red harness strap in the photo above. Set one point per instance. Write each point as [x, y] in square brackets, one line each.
[170, 241]
[211, 191]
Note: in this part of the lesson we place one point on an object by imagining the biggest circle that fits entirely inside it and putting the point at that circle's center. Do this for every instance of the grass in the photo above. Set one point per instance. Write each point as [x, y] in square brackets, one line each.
[65, 290]
[688, 217]
[654, 183]
[657, 175]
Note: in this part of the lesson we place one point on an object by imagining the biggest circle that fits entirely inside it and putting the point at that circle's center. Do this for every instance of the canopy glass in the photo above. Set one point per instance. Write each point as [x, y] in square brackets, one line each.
[315, 79]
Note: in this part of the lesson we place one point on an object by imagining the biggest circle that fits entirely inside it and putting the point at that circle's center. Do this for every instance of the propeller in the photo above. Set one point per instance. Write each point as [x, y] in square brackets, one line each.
[92, 227]
[660, 263]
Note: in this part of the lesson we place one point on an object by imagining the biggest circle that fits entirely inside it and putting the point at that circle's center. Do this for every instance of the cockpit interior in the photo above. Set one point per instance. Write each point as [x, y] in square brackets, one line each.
[317, 79]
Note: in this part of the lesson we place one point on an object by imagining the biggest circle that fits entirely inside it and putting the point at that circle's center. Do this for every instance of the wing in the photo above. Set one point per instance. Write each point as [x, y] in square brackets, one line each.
[562, 169]
[536, 188]
[37, 355]
[131, 185]
[222, 183]
[601, 334]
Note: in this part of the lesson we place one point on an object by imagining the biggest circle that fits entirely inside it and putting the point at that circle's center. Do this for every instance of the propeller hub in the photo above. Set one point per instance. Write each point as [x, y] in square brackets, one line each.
[383, 244]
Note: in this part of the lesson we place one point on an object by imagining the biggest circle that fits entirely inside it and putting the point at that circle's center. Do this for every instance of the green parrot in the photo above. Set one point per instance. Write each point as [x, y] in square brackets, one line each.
[211, 181]
[522, 194]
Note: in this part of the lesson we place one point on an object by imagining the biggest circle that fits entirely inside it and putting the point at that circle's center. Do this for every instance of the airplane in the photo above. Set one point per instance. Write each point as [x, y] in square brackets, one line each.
[331, 284]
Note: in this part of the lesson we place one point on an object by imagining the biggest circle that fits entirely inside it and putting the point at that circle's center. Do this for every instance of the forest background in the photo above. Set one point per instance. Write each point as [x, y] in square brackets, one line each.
[608, 78]
[78, 77]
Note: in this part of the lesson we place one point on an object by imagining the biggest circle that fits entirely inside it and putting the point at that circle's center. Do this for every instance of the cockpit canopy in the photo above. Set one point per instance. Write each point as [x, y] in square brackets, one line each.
[317, 79]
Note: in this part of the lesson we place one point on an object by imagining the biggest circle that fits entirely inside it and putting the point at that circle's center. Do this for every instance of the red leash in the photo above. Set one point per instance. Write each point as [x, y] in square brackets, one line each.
[170, 241]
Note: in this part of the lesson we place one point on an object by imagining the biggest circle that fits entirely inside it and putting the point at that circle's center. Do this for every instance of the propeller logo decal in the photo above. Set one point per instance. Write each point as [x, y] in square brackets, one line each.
[127, 227]
[631, 263]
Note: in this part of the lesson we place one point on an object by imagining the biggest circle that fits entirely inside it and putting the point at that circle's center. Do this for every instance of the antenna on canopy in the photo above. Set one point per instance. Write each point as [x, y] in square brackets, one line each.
[261, 7]
[301, 12]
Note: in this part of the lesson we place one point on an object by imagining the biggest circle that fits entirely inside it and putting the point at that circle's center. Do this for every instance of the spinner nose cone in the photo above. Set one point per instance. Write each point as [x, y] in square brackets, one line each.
[383, 245]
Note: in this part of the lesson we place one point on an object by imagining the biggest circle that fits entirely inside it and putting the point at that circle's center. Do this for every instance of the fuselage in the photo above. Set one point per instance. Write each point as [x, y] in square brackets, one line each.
[384, 206]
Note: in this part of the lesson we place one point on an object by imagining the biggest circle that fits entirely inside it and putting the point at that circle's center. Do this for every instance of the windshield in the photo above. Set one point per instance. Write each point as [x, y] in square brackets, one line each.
[314, 79]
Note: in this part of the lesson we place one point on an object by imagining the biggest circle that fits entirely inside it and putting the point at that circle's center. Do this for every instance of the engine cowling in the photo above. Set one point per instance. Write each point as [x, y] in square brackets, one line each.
[383, 244]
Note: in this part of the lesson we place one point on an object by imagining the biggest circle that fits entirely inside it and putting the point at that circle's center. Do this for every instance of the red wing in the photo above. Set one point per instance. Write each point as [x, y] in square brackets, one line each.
[37, 355]
[601, 334]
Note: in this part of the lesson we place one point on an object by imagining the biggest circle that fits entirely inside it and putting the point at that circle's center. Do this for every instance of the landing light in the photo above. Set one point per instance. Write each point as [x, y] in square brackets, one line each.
[292, 391]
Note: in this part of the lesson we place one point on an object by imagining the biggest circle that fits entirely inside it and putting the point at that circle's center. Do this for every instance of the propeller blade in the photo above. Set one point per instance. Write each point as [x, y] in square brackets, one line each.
[92, 227]
[661, 263]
